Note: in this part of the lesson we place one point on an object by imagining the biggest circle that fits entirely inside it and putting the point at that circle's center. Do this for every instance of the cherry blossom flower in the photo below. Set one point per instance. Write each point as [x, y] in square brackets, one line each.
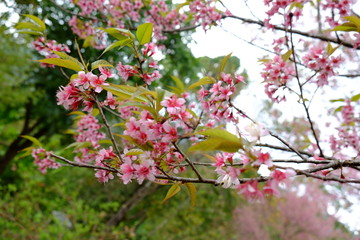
[256, 131]
[125, 71]
[173, 104]
[250, 190]
[43, 160]
[229, 177]
[145, 170]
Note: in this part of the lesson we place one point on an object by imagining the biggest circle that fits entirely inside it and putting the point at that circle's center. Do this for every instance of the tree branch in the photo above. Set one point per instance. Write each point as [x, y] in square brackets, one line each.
[108, 128]
[304, 34]
[188, 161]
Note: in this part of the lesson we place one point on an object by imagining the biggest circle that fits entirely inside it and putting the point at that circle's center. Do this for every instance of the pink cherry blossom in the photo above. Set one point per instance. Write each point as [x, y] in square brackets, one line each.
[173, 104]
[228, 177]
[125, 71]
[43, 160]
[250, 190]
[145, 170]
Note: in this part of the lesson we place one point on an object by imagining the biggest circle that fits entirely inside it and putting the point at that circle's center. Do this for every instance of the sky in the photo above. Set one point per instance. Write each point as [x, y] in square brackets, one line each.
[228, 38]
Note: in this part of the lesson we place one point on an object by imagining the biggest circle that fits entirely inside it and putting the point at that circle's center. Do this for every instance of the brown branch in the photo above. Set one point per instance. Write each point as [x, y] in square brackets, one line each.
[282, 149]
[302, 94]
[288, 145]
[304, 34]
[188, 161]
[108, 128]
[309, 172]
[83, 165]
[324, 178]
[270, 132]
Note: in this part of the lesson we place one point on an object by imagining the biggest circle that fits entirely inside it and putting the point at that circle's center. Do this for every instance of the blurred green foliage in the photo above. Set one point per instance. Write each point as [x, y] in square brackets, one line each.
[69, 203]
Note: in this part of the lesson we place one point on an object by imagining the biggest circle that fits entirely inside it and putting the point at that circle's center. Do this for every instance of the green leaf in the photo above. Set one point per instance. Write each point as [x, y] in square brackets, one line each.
[144, 33]
[28, 25]
[32, 139]
[105, 141]
[160, 96]
[119, 33]
[78, 145]
[68, 57]
[338, 100]
[140, 105]
[134, 152]
[66, 63]
[179, 6]
[174, 189]
[37, 20]
[77, 113]
[124, 92]
[192, 192]
[353, 19]
[286, 55]
[338, 109]
[218, 139]
[345, 28]
[220, 133]
[330, 50]
[213, 143]
[223, 64]
[120, 44]
[89, 41]
[202, 81]
[178, 83]
[31, 33]
[296, 5]
[355, 98]
[102, 63]
[27, 152]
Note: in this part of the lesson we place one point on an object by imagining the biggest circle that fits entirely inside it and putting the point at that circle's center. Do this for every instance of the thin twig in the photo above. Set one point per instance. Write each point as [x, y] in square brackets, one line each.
[271, 133]
[108, 128]
[302, 94]
[282, 149]
[188, 161]
[304, 34]
[83, 165]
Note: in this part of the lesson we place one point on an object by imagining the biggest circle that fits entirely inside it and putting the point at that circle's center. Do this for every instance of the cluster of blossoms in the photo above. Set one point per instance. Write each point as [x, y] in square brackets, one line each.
[87, 7]
[164, 19]
[88, 130]
[291, 8]
[139, 167]
[43, 160]
[356, 40]
[122, 13]
[276, 74]
[342, 7]
[348, 132]
[285, 8]
[205, 12]
[80, 89]
[251, 190]
[216, 100]
[46, 48]
[228, 176]
[103, 156]
[126, 71]
[157, 135]
[320, 61]
[86, 30]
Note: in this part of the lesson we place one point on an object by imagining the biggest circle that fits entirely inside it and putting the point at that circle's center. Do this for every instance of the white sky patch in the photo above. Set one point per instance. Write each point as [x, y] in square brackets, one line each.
[229, 38]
